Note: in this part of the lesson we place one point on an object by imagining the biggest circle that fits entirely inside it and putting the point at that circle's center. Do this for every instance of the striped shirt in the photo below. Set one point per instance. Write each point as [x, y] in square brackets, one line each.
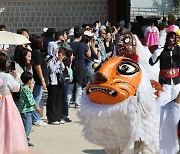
[26, 103]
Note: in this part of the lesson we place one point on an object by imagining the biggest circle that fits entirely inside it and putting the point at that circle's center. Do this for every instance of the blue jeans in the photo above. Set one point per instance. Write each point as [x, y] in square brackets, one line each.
[78, 93]
[70, 93]
[27, 121]
[37, 93]
[90, 71]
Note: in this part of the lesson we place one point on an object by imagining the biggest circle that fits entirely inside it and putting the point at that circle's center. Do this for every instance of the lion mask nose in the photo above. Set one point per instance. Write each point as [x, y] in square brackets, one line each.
[100, 77]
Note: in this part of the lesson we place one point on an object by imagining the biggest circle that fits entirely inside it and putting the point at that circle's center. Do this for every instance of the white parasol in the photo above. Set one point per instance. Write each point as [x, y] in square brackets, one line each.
[12, 38]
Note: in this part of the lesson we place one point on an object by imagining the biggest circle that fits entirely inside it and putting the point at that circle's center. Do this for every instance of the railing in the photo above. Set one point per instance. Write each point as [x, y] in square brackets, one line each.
[140, 11]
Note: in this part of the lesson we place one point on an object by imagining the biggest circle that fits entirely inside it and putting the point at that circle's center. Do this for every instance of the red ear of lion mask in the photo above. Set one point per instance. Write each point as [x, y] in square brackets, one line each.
[115, 81]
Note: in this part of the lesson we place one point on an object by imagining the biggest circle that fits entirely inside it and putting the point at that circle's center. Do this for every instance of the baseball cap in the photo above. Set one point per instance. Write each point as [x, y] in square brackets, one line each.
[66, 46]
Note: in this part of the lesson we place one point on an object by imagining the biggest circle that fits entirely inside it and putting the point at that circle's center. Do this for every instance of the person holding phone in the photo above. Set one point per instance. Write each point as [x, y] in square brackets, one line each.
[22, 65]
[12, 134]
[54, 104]
[88, 38]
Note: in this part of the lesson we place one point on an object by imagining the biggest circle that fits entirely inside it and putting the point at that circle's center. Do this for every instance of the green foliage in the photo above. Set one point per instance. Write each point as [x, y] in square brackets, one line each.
[163, 5]
[167, 6]
[177, 6]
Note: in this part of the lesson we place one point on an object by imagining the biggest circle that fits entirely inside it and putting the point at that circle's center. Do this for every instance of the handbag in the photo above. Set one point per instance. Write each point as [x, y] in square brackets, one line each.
[61, 79]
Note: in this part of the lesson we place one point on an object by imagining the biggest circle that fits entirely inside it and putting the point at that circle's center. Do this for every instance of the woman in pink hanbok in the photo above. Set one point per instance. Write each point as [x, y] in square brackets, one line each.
[12, 135]
[151, 35]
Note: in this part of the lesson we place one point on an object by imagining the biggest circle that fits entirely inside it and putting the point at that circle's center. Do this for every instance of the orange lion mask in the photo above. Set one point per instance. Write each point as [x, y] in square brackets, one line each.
[115, 80]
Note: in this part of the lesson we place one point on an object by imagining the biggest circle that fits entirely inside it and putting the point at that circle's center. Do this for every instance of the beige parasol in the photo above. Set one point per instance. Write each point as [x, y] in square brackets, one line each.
[12, 38]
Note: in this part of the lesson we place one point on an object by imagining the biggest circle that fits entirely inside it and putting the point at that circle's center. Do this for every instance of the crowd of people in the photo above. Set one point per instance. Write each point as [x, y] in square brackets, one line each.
[61, 62]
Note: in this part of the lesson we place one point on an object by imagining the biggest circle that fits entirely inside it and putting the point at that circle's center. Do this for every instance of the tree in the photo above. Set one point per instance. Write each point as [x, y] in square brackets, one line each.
[163, 6]
[177, 6]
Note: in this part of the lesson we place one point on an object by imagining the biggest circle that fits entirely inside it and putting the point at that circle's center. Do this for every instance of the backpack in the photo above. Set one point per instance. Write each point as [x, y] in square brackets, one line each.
[70, 73]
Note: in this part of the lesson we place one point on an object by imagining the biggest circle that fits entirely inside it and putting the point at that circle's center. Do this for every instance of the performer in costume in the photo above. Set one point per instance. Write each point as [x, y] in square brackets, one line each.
[12, 134]
[143, 55]
[169, 78]
[119, 127]
[169, 118]
[119, 110]
[130, 46]
[152, 72]
[169, 58]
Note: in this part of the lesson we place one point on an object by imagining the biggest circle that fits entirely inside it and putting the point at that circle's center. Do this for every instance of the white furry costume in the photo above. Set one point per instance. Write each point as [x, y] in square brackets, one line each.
[132, 126]
[144, 55]
[129, 127]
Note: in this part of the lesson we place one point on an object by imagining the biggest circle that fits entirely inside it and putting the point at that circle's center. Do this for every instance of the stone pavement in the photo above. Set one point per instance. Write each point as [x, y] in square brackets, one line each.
[62, 139]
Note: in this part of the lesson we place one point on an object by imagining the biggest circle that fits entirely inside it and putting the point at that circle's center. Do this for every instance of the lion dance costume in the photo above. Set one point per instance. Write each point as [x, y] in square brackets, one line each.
[118, 110]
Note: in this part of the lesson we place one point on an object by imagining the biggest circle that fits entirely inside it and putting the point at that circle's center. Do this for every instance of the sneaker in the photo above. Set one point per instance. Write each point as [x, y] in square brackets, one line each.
[67, 119]
[77, 106]
[71, 103]
[40, 123]
[54, 123]
[30, 144]
[62, 121]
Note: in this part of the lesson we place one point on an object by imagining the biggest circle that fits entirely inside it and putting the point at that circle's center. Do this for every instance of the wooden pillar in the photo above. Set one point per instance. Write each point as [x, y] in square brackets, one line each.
[123, 10]
[112, 11]
[118, 10]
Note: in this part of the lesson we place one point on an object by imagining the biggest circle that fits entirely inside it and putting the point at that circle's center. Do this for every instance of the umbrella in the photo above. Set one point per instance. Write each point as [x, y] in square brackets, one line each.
[12, 38]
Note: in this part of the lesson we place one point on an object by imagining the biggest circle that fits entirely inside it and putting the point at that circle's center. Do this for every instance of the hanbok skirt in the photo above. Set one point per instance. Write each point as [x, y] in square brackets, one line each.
[152, 39]
[12, 134]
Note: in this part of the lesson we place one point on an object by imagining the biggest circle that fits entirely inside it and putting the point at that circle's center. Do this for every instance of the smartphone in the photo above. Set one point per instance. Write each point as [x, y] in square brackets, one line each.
[12, 65]
[96, 45]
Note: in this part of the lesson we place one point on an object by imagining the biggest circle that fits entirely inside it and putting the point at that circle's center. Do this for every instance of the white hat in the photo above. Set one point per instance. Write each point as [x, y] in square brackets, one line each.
[71, 31]
[88, 33]
[45, 29]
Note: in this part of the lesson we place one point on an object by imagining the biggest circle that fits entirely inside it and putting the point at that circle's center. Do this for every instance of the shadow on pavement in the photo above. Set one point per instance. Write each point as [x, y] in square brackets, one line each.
[90, 151]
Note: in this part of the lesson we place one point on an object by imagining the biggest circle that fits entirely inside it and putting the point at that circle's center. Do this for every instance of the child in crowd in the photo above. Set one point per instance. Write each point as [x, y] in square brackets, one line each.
[12, 135]
[27, 104]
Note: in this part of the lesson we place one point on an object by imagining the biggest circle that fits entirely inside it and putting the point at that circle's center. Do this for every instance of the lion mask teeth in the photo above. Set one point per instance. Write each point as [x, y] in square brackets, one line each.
[103, 89]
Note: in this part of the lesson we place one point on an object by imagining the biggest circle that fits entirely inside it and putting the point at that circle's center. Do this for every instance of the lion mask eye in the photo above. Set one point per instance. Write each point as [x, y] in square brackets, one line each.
[127, 68]
[127, 40]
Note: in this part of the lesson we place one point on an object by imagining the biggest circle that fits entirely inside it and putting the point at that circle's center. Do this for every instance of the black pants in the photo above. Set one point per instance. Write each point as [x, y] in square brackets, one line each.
[54, 105]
